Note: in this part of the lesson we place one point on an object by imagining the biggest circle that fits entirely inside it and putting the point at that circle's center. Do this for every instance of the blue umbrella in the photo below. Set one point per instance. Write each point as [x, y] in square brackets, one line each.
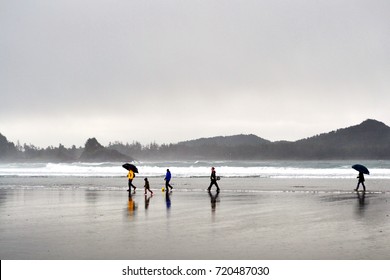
[361, 168]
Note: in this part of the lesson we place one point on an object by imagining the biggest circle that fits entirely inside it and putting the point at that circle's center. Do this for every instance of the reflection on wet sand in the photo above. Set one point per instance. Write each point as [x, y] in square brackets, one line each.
[214, 200]
[168, 199]
[332, 225]
[91, 196]
[362, 203]
[147, 201]
[131, 205]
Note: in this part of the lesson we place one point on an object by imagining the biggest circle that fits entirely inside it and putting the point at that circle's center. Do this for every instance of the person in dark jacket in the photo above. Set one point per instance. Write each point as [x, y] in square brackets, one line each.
[167, 178]
[147, 187]
[213, 178]
[361, 181]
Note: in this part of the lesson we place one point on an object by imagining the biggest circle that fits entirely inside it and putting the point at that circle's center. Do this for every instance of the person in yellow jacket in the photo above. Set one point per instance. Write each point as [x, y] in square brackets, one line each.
[131, 176]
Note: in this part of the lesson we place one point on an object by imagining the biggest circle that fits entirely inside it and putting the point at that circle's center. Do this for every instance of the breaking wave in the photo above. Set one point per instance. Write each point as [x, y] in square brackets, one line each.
[320, 169]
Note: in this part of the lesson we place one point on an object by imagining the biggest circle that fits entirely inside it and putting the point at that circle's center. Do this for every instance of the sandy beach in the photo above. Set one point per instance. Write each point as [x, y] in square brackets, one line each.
[252, 218]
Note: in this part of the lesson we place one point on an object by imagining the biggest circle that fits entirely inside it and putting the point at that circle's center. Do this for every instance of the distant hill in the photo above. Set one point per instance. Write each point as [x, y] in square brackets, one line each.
[95, 152]
[227, 141]
[368, 140]
[368, 132]
[235, 147]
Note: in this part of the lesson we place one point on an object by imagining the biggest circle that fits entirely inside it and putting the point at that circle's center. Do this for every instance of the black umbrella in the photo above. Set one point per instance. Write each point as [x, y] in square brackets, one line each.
[131, 167]
[361, 168]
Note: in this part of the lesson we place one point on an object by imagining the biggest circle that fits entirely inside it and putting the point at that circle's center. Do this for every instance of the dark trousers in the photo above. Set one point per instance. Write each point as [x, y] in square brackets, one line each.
[131, 184]
[361, 182]
[213, 182]
[148, 189]
[167, 184]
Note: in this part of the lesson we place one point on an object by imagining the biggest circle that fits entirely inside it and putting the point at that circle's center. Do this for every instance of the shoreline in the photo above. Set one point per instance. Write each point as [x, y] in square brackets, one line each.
[94, 223]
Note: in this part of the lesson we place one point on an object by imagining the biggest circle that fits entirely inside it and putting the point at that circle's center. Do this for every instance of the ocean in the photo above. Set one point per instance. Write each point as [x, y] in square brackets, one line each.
[262, 175]
[187, 169]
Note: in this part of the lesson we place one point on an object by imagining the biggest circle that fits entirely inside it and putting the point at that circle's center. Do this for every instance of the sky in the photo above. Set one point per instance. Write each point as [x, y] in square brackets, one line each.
[174, 70]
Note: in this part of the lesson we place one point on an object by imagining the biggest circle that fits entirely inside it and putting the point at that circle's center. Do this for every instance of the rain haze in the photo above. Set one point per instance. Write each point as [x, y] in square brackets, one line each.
[169, 71]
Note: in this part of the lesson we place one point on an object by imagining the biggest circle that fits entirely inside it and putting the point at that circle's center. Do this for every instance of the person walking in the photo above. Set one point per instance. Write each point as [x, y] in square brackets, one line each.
[167, 178]
[360, 181]
[213, 178]
[131, 176]
[147, 187]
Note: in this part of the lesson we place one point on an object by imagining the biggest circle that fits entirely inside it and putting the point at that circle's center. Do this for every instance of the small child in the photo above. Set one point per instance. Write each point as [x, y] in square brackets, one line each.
[147, 187]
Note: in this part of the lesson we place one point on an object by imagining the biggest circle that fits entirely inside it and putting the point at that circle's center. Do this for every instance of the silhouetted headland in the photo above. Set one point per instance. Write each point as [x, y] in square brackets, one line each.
[368, 140]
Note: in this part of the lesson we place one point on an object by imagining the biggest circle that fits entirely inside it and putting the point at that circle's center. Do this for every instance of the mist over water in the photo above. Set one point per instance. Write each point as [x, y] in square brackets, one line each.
[231, 169]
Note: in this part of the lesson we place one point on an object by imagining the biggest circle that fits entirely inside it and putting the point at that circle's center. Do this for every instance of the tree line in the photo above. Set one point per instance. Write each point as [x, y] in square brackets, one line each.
[369, 140]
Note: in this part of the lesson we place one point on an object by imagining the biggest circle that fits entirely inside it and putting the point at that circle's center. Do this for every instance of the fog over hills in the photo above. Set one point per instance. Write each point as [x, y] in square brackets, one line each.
[227, 141]
[368, 140]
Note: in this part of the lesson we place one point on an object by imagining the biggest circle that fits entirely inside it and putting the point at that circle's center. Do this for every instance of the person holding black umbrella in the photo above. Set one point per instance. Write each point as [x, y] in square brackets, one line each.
[132, 170]
[362, 170]
[361, 181]
[131, 176]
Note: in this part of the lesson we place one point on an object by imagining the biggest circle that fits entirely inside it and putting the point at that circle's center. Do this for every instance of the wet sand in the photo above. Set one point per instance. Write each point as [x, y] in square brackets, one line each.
[297, 220]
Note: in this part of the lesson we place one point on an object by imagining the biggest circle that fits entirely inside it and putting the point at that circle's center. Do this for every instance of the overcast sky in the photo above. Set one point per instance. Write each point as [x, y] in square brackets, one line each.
[173, 70]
